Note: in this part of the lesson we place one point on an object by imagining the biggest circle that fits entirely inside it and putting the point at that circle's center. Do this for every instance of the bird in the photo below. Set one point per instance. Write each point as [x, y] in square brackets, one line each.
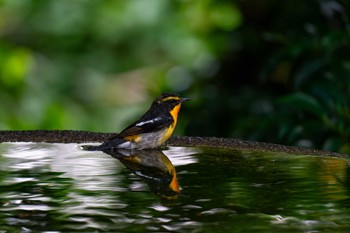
[152, 130]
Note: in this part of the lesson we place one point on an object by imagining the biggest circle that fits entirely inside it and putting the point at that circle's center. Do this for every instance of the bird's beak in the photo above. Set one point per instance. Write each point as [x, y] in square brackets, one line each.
[184, 100]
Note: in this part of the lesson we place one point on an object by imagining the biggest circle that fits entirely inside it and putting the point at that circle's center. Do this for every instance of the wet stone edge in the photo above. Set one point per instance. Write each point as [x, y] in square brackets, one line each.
[76, 136]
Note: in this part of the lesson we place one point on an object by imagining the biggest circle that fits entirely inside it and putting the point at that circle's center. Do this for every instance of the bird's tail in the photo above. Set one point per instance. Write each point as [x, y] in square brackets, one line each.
[91, 147]
[113, 143]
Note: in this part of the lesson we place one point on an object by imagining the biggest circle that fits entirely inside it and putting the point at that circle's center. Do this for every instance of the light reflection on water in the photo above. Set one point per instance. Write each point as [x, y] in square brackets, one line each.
[58, 187]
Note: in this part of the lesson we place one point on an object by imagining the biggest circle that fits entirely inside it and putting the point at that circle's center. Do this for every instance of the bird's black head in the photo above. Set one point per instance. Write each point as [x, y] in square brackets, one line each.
[168, 100]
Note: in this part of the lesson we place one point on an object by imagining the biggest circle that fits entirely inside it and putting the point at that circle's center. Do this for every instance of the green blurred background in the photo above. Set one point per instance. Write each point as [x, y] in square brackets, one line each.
[267, 70]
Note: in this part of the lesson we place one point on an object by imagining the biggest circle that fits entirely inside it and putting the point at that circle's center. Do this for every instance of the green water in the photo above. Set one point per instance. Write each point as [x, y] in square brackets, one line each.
[59, 188]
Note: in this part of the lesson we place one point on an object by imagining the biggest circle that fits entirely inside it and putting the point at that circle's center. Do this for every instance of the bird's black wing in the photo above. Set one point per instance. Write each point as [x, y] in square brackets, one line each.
[146, 125]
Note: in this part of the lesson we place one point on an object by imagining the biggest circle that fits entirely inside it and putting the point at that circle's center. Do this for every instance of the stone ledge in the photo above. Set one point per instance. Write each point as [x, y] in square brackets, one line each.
[75, 136]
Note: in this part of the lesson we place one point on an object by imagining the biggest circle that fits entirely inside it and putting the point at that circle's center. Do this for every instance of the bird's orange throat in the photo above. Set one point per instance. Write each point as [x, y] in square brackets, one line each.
[175, 112]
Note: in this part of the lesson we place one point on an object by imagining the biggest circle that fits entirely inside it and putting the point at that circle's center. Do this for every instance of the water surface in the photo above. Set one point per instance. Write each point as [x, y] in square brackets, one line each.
[59, 188]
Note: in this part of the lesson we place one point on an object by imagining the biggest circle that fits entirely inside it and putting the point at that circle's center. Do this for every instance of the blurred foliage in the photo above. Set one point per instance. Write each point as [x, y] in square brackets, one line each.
[275, 71]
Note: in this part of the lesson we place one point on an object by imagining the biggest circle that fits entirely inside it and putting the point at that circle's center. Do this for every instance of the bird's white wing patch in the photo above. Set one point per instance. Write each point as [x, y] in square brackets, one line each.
[148, 122]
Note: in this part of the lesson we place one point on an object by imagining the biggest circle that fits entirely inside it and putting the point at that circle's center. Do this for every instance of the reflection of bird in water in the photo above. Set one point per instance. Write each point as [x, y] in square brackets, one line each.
[153, 166]
[151, 130]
